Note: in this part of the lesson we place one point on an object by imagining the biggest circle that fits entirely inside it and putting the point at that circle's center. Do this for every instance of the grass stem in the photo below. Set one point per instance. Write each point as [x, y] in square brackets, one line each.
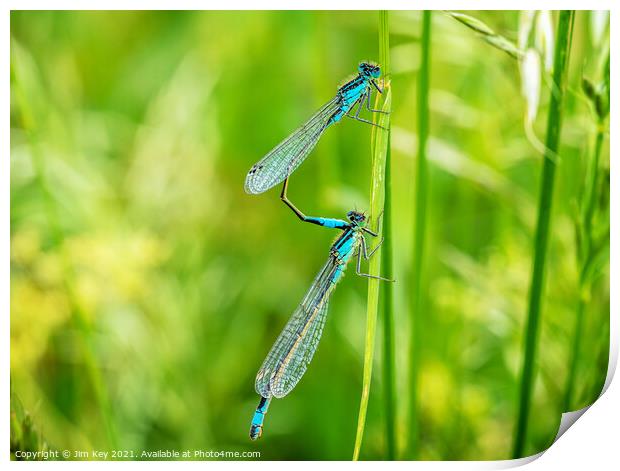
[487, 34]
[379, 145]
[388, 316]
[421, 193]
[554, 121]
[585, 254]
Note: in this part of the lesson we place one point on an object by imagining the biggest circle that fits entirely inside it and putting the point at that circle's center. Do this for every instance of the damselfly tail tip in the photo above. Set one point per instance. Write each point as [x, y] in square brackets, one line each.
[256, 431]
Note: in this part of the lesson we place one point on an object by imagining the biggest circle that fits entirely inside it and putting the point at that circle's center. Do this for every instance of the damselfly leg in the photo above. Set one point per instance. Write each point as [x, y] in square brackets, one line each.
[360, 104]
[289, 203]
[362, 252]
[373, 110]
[374, 84]
[373, 233]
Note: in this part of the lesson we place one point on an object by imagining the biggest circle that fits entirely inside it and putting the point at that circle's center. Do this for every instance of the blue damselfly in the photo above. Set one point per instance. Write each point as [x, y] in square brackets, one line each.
[284, 159]
[291, 353]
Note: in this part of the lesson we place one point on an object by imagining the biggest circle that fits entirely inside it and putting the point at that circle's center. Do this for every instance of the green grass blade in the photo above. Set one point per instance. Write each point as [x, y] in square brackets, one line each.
[388, 316]
[575, 354]
[585, 240]
[562, 49]
[24, 434]
[379, 145]
[421, 190]
[487, 34]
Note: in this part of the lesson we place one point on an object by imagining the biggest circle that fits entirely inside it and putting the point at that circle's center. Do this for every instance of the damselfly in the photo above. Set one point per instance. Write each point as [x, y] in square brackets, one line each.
[292, 352]
[292, 151]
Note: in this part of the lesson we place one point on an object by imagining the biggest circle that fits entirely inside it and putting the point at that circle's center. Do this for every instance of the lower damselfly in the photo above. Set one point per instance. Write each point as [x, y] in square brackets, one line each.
[292, 352]
[284, 159]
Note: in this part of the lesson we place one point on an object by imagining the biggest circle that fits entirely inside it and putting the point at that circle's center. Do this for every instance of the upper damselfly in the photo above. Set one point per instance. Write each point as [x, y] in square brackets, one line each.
[292, 352]
[292, 151]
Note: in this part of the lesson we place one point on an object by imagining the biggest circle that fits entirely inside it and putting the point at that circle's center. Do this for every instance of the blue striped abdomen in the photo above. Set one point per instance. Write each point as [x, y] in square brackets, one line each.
[327, 222]
[256, 429]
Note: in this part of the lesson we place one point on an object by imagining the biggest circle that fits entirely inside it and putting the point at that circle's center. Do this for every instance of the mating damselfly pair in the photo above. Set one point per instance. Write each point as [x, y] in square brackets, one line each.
[293, 350]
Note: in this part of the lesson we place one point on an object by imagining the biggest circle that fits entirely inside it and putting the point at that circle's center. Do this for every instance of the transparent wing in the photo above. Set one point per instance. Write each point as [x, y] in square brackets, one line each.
[292, 352]
[290, 153]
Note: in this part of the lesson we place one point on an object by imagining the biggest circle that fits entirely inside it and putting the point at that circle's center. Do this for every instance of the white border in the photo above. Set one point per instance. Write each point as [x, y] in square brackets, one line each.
[307, 5]
[592, 443]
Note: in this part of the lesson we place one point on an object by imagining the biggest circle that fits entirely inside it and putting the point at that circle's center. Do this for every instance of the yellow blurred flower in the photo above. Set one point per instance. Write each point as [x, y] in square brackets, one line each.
[35, 314]
[25, 245]
[436, 387]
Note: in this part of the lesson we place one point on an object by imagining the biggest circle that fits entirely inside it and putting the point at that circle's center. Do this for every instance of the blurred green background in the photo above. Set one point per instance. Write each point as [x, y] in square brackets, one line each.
[147, 287]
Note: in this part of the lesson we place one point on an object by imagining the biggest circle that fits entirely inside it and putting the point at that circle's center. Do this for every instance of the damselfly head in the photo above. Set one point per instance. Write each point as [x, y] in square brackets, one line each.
[369, 70]
[356, 217]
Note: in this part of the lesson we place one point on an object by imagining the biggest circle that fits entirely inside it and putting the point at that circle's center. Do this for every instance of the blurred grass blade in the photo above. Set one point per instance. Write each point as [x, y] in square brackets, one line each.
[562, 50]
[575, 353]
[544, 37]
[487, 34]
[421, 190]
[379, 145]
[589, 258]
[530, 83]
[599, 23]
[388, 314]
[526, 27]
[24, 434]
[23, 73]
